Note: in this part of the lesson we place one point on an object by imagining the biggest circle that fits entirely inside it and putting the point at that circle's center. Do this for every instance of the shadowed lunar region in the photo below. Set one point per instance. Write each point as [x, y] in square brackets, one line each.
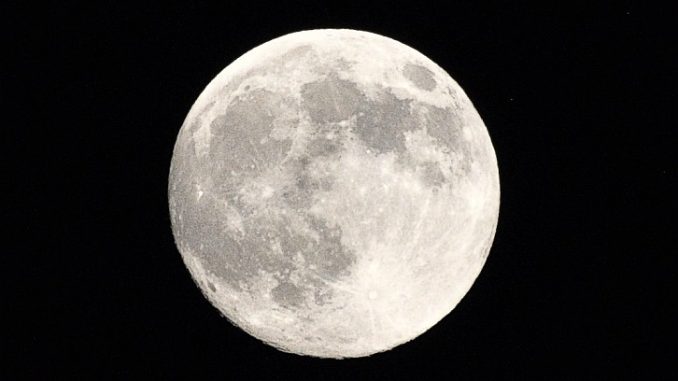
[334, 193]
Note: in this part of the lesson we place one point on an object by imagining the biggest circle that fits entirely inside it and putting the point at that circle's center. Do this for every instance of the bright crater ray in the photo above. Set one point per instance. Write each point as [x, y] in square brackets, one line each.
[334, 193]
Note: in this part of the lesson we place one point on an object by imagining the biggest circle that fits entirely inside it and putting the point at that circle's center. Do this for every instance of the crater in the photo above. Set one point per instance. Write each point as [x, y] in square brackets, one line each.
[211, 286]
[420, 76]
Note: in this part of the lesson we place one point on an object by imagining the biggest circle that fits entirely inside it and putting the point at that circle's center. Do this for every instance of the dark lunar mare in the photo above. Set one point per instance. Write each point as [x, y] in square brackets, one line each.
[241, 149]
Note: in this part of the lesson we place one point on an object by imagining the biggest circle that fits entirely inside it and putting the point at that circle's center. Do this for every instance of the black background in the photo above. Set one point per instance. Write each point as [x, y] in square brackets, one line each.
[579, 104]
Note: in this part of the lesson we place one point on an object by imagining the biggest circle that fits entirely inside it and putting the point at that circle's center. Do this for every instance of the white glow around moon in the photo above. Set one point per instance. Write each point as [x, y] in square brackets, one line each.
[334, 193]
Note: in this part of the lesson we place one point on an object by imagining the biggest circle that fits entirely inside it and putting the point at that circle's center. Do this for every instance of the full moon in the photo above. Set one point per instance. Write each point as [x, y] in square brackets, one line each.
[334, 193]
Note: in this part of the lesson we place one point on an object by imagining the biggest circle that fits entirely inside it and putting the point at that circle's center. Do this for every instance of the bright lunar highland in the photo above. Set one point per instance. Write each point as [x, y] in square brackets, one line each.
[334, 193]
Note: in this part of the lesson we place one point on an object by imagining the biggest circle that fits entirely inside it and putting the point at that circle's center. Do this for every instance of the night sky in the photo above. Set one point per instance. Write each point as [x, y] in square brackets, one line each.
[579, 103]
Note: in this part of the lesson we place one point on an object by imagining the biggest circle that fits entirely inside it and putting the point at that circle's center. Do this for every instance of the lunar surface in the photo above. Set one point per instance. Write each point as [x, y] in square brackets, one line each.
[334, 193]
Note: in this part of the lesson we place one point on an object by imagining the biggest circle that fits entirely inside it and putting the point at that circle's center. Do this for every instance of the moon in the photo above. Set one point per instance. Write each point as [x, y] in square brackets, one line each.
[334, 193]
